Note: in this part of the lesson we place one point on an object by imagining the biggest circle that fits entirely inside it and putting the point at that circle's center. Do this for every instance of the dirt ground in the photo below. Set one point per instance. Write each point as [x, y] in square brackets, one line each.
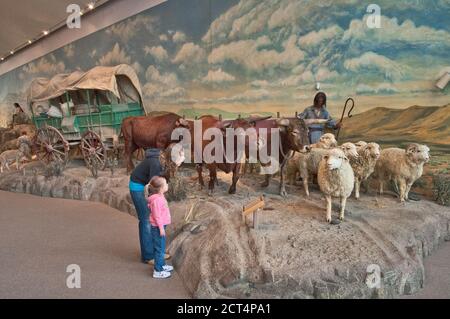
[294, 253]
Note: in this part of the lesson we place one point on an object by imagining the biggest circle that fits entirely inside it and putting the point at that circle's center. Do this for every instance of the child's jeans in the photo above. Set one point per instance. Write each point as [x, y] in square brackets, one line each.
[159, 248]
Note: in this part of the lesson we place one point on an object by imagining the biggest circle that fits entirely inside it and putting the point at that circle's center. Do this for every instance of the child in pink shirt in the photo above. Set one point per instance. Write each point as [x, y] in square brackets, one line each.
[159, 219]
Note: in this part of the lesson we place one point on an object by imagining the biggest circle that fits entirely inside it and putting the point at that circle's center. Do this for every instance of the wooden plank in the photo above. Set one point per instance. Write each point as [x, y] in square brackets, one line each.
[251, 209]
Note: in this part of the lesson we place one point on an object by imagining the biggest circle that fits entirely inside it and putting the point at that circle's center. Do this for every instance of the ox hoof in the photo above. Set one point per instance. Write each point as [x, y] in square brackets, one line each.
[329, 220]
[264, 184]
[232, 191]
[283, 193]
[341, 218]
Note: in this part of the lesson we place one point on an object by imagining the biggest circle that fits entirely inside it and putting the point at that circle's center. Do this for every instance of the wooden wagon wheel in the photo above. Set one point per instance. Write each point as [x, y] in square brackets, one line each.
[50, 146]
[93, 150]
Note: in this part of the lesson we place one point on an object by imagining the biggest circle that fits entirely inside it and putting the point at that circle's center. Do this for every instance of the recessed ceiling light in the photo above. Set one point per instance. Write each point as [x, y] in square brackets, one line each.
[2, 59]
[12, 52]
[29, 41]
[91, 6]
[45, 32]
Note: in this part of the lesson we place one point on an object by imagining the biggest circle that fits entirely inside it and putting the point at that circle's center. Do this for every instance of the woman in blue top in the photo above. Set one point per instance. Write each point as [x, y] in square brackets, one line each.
[140, 177]
[319, 111]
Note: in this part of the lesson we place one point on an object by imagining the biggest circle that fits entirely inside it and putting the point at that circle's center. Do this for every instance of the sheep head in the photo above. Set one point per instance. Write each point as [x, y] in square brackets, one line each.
[371, 150]
[349, 150]
[335, 158]
[418, 153]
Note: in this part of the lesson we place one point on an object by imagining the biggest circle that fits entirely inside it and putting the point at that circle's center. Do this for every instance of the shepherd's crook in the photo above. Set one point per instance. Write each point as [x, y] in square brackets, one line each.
[349, 114]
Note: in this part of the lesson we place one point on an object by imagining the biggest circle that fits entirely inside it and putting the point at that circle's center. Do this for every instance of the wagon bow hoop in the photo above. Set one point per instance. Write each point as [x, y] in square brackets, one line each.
[349, 114]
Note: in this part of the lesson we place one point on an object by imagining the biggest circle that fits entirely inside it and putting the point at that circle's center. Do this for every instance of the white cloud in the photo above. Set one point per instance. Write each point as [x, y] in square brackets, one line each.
[375, 62]
[245, 97]
[296, 80]
[315, 38]
[395, 34]
[179, 37]
[47, 66]
[252, 55]
[152, 74]
[118, 56]
[190, 53]
[218, 76]
[260, 84]
[158, 53]
[163, 38]
[383, 88]
[162, 86]
[324, 74]
[127, 29]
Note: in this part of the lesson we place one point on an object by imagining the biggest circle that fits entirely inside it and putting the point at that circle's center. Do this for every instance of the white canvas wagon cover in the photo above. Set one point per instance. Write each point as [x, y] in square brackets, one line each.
[121, 80]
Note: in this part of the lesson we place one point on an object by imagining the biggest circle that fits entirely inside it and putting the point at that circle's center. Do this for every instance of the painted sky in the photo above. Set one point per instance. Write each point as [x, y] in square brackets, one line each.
[267, 55]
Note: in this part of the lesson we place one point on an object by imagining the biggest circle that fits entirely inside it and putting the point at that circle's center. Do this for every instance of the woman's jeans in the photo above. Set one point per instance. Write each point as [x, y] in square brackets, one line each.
[159, 245]
[145, 236]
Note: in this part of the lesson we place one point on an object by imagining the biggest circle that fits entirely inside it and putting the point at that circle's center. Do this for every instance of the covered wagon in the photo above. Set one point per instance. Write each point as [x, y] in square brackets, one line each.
[83, 109]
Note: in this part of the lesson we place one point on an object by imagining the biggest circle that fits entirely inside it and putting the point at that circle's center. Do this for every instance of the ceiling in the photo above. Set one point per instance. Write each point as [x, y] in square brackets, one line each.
[21, 20]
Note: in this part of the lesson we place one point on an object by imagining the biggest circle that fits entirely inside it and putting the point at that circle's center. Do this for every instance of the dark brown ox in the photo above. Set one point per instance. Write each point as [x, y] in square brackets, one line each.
[148, 132]
[232, 165]
[293, 134]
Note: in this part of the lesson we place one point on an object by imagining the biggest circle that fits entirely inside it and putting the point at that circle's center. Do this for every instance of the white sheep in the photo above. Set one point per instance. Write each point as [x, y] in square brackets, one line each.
[403, 167]
[9, 157]
[308, 164]
[336, 179]
[360, 144]
[326, 141]
[364, 165]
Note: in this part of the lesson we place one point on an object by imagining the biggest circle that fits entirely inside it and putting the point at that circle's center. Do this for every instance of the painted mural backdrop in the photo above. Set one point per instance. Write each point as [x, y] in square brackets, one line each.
[257, 56]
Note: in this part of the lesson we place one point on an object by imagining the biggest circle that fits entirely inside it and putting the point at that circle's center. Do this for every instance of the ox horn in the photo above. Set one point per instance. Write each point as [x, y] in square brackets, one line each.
[183, 122]
[282, 122]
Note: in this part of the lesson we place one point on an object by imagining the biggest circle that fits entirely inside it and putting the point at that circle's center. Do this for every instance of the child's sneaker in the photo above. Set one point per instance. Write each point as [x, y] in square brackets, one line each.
[161, 274]
[167, 268]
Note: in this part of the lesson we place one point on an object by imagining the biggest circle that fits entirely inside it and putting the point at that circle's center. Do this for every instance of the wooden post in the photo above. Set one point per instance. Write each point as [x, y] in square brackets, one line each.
[220, 117]
[253, 208]
[278, 115]
[296, 114]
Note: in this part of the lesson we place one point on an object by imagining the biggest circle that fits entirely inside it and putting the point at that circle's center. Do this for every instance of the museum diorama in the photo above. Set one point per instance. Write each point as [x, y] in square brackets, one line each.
[303, 147]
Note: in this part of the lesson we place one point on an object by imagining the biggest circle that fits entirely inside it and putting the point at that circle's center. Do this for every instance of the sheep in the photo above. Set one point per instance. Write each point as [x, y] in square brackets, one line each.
[360, 144]
[9, 157]
[308, 164]
[336, 178]
[364, 165]
[403, 166]
[326, 141]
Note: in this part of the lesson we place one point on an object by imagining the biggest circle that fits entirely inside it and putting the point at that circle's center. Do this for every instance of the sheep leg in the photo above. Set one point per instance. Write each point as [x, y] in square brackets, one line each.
[408, 188]
[342, 212]
[357, 185]
[381, 184]
[328, 199]
[282, 181]
[305, 185]
[402, 189]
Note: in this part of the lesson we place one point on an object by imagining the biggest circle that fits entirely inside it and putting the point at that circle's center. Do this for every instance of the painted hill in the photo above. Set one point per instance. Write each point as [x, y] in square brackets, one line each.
[430, 124]
[193, 112]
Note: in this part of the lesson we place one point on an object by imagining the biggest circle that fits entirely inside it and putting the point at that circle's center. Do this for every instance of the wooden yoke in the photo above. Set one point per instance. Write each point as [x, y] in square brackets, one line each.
[254, 208]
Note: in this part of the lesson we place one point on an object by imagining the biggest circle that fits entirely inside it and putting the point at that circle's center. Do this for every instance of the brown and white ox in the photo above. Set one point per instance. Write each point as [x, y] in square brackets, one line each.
[149, 132]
